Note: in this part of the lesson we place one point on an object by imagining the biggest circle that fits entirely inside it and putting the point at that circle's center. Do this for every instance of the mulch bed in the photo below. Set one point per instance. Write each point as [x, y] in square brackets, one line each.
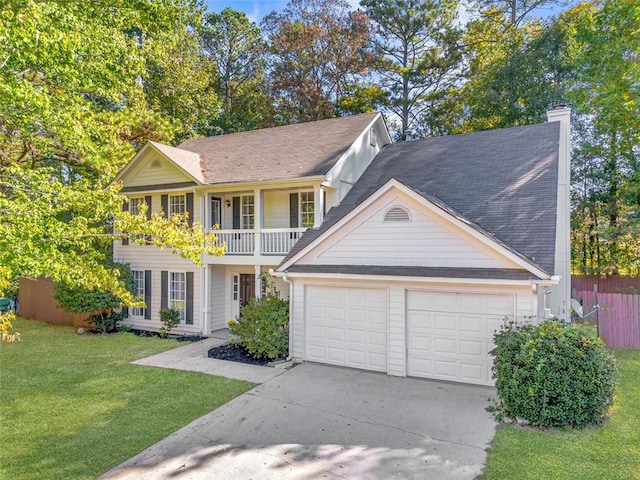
[179, 338]
[235, 353]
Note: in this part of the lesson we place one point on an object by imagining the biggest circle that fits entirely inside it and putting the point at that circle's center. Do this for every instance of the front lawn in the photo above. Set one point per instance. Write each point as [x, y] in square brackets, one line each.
[72, 406]
[610, 451]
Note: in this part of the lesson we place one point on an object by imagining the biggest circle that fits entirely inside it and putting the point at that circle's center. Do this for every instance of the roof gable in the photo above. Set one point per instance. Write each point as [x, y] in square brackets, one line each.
[503, 182]
[158, 164]
[425, 235]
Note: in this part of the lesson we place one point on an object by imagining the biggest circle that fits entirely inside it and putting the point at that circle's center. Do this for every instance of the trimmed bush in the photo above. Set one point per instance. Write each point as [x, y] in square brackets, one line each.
[170, 318]
[263, 327]
[553, 375]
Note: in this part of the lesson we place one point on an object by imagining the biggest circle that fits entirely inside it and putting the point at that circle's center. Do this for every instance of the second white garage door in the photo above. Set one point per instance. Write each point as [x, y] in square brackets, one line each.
[347, 326]
[449, 335]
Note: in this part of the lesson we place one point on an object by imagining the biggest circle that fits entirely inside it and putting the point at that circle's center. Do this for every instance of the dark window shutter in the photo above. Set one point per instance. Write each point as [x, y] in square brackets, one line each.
[164, 203]
[189, 311]
[125, 312]
[147, 294]
[293, 210]
[147, 238]
[164, 289]
[190, 208]
[125, 208]
[236, 213]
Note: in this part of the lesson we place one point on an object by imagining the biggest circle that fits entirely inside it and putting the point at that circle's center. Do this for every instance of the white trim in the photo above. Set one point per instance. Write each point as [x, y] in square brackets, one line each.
[443, 214]
[405, 279]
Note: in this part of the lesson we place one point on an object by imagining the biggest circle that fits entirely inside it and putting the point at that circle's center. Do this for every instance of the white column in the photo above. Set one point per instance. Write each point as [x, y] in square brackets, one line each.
[318, 206]
[258, 272]
[205, 290]
[258, 221]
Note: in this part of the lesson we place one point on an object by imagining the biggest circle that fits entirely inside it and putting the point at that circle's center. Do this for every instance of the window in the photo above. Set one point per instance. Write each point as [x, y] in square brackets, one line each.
[373, 140]
[247, 212]
[178, 293]
[177, 205]
[134, 205]
[216, 209]
[138, 291]
[307, 205]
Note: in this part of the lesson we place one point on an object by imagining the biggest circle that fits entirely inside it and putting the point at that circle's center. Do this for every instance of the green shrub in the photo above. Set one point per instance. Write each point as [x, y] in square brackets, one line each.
[170, 318]
[106, 321]
[76, 299]
[263, 326]
[553, 375]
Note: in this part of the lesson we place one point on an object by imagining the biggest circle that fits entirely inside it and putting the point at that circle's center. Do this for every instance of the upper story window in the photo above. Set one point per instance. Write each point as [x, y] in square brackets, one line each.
[373, 139]
[134, 205]
[397, 214]
[177, 205]
[307, 209]
[247, 212]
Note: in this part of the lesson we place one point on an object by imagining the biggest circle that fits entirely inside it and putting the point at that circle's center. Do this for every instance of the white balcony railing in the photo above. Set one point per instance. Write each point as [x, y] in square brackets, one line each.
[278, 241]
[273, 241]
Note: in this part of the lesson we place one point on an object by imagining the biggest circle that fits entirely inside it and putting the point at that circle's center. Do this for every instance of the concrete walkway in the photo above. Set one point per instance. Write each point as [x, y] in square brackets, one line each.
[316, 421]
[193, 358]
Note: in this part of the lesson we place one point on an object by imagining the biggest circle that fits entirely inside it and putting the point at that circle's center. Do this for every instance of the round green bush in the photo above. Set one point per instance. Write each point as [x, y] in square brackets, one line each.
[263, 327]
[553, 375]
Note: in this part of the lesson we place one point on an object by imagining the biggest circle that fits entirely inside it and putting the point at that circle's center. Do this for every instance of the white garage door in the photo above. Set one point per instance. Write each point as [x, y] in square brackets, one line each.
[450, 335]
[347, 326]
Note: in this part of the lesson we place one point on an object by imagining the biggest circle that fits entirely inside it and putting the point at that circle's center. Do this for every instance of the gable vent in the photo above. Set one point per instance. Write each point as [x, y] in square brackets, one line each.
[155, 163]
[397, 214]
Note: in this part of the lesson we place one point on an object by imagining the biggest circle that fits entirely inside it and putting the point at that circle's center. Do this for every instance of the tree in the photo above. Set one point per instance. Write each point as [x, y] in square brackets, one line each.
[418, 64]
[178, 81]
[318, 54]
[238, 55]
[517, 11]
[607, 197]
[516, 75]
[72, 111]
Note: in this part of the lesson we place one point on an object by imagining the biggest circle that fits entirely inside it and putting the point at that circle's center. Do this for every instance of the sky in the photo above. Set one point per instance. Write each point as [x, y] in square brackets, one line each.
[256, 10]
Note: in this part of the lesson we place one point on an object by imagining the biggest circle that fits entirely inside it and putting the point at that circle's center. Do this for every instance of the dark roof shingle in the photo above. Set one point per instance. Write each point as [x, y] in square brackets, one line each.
[504, 181]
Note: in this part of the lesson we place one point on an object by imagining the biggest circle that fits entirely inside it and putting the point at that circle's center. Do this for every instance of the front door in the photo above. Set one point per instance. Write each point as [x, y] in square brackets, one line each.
[247, 288]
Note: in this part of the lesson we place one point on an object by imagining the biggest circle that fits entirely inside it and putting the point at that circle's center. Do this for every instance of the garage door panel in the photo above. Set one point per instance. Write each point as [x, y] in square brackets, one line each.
[359, 314]
[445, 346]
[453, 344]
[473, 348]
[445, 323]
[336, 334]
[469, 325]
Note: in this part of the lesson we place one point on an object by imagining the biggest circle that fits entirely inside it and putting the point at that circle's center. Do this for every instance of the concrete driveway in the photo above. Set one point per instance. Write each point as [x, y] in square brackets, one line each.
[316, 421]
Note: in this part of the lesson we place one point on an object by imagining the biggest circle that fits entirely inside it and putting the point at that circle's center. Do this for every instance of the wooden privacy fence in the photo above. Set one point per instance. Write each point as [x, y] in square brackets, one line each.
[36, 301]
[618, 317]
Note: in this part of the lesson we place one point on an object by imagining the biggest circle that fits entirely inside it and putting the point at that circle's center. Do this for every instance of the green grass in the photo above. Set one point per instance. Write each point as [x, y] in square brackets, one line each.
[610, 451]
[72, 406]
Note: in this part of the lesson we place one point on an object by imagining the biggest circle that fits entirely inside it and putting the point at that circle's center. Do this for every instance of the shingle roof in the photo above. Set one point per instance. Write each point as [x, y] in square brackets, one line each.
[504, 181]
[292, 151]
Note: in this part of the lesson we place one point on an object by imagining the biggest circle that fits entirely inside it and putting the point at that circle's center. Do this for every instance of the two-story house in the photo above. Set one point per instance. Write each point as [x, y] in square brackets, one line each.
[260, 190]
[402, 258]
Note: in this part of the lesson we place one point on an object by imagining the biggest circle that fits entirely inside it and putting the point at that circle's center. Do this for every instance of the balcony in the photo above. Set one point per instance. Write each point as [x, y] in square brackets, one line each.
[270, 241]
